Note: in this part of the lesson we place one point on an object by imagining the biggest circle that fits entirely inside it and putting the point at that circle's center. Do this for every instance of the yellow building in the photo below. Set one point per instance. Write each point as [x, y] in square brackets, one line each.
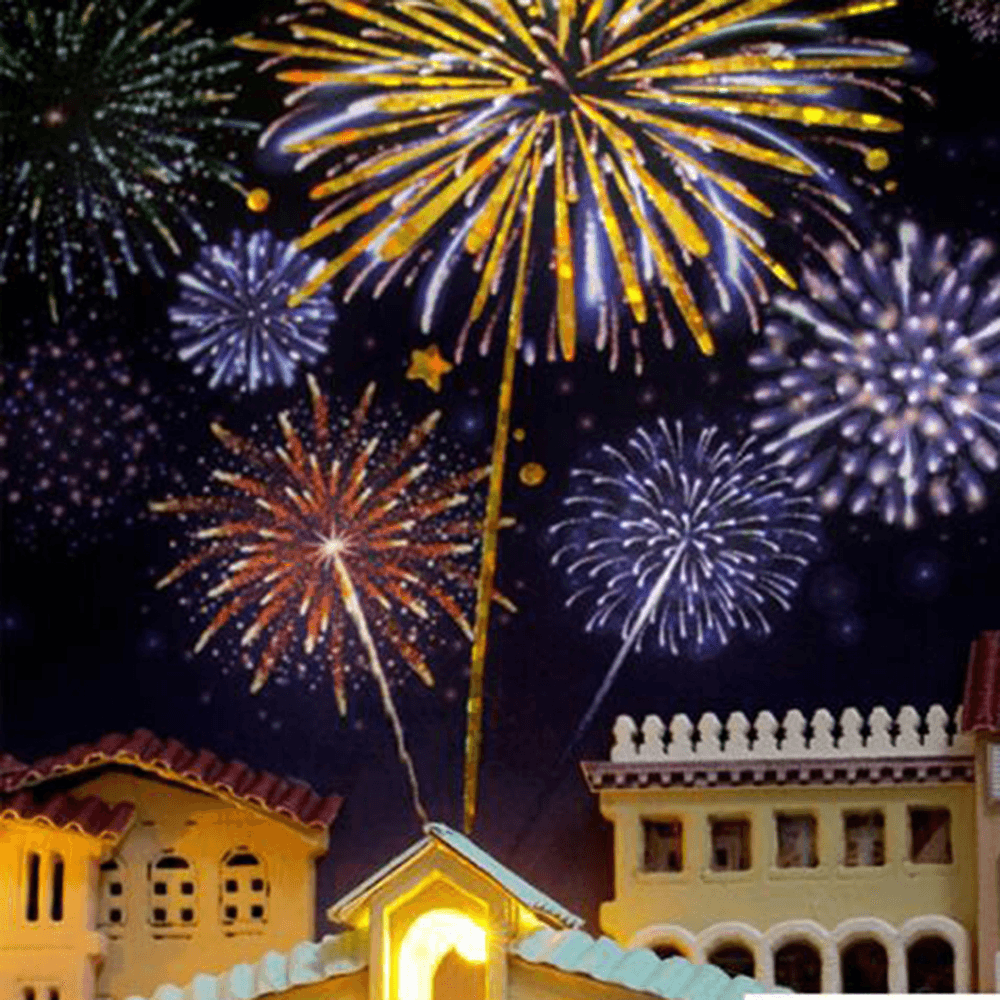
[840, 856]
[198, 865]
[445, 921]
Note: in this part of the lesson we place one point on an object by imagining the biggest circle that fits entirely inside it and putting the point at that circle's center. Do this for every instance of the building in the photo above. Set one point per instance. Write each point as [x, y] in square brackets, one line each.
[445, 921]
[134, 861]
[844, 854]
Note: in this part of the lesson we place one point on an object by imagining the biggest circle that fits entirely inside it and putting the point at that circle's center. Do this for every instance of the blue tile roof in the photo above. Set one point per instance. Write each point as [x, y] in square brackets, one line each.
[308, 962]
[525, 893]
[639, 969]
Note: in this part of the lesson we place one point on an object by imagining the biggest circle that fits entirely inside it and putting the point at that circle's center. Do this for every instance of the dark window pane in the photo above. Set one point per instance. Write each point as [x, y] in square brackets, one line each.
[797, 842]
[864, 839]
[257, 885]
[159, 916]
[231, 885]
[34, 863]
[798, 966]
[115, 888]
[187, 888]
[172, 861]
[662, 850]
[733, 959]
[864, 968]
[256, 912]
[930, 966]
[730, 845]
[930, 836]
[231, 912]
[109, 866]
[667, 951]
[115, 916]
[243, 859]
[58, 877]
[160, 888]
[187, 915]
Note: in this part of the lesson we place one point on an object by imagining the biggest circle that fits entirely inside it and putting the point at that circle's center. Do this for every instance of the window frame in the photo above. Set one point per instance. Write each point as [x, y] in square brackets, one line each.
[663, 820]
[746, 821]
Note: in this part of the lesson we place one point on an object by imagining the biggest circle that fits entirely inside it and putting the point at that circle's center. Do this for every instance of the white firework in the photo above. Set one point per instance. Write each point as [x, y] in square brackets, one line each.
[686, 539]
[881, 387]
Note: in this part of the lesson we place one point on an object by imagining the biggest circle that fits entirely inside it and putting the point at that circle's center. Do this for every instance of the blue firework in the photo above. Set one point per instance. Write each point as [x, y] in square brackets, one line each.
[234, 319]
[111, 113]
[682, 538]
[881, 387]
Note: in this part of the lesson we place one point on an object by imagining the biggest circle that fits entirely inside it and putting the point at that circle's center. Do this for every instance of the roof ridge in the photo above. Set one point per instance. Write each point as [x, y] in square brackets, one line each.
[292, 798]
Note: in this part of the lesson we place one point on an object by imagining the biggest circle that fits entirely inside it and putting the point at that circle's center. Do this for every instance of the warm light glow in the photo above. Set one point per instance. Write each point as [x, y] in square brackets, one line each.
[429, 938]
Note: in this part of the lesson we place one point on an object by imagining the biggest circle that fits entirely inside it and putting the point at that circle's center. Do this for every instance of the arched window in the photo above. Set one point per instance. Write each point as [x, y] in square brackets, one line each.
[57, 886]
[930, 966]
[111, 893]
[173, 892]
[864, 967]
[798, 966]
[734, 959]
[31, 886]
[667, 951]
[243, 891]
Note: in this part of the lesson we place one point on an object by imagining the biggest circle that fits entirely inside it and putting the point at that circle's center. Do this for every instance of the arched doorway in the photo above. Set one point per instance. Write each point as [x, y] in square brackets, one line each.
[799, 966]
[667, 950]
[864, 967]
[733, 958]
[930, 966]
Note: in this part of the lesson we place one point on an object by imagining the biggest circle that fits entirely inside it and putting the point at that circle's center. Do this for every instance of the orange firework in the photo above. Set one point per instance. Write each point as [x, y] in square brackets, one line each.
[326, 546]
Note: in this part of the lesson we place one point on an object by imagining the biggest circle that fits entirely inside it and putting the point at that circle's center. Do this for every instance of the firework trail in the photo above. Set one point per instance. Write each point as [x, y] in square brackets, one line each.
[981, 17]
[344, 544]
[589, 153]
[105, 109]
[684, 540]
[233, 316]
[881, 389]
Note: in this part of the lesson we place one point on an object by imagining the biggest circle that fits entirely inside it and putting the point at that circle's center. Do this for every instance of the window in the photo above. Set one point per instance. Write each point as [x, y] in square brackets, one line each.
[662, 845]
[111, 896]
[930, 966]
[244, 891]
[864, 839]
[172, 893]
[864, 968]
[730, 845]
[31, 906]
[58, 881]
[797, 842]
[798, 966]
[930, 836]
[667, 951]
[53, 994]
[28, 993]
[734, 959]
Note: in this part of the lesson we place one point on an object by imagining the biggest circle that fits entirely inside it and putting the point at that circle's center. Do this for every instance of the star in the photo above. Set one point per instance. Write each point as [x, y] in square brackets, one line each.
[429, 366]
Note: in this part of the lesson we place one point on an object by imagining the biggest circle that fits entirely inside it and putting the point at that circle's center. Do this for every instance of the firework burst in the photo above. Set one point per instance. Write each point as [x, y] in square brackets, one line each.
[603, 131]
[981, 17]
[79, 430]
[881, 389]
[342, 548]
[682, 539]
[104, 114]
[233, 316]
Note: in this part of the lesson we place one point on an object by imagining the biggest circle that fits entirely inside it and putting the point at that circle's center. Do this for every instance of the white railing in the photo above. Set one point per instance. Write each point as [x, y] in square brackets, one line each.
[908, 735]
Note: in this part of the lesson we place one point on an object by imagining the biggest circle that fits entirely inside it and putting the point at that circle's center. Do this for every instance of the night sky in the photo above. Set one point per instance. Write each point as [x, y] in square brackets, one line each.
[882, 615]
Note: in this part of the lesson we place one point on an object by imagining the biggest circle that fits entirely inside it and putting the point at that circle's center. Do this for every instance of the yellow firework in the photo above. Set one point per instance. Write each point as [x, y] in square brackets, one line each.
[592, 159]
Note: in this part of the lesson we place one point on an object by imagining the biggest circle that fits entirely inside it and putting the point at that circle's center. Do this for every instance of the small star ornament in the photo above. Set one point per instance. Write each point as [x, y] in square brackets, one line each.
[429, 366]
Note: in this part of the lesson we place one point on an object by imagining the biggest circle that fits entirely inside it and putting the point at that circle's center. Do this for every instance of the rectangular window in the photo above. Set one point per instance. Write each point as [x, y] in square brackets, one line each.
[730, 845]
[864, 839]
[58, 878]
[930, 836]
[34, 867]
[662, 845]
[797, 842]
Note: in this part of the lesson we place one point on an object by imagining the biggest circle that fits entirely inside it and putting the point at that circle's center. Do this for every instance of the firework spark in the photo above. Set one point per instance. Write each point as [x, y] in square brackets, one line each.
[882, 387]
[104, 113]
[683, 539]
[78, 433]
[344, 547]
[454, 124]
[233, 317]
[981, 17]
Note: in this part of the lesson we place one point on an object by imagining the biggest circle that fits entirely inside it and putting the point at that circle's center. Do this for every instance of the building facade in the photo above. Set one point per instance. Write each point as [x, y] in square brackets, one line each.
[134, 861]
[847, 854]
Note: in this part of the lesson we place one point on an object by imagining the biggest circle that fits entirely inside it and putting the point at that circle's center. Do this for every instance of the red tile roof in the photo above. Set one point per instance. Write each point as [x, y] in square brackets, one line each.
[89, 815]
[9, 764]
[199, 769]
[981, 704]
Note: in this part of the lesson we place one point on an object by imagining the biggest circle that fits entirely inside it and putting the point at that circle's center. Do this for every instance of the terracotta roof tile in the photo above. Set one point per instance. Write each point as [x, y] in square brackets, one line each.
[89, 815]
[201, 768]
[981, 704]
[9, 764]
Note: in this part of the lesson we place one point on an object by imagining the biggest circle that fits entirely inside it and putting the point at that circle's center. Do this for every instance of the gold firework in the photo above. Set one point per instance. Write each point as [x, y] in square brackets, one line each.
[326, 546]
[591, 155]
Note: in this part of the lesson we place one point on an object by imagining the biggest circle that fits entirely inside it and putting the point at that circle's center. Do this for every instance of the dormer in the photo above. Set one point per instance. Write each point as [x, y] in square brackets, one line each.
[438, 920]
